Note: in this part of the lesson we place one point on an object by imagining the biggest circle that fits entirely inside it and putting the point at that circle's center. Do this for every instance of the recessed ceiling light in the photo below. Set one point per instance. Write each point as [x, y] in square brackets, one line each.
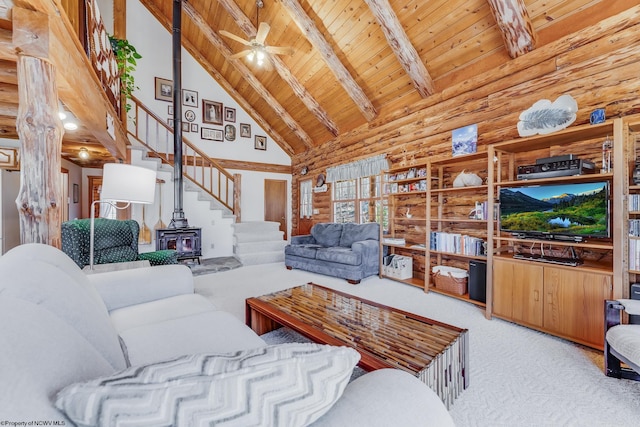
[83, 153]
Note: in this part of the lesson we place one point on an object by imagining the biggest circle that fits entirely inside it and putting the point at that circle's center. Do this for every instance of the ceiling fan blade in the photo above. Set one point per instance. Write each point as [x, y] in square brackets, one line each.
[263, 30]
[241, 54]
[280, 50]
[236, 38]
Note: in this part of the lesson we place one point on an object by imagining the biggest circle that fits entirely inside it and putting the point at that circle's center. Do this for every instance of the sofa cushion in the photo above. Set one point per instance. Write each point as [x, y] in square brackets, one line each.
[207, 332]
[41, 354]
[285, 385]
[327, 234]
[352, 233]
[305, 250]
[159, 311]
[44, 275]
[340, 255]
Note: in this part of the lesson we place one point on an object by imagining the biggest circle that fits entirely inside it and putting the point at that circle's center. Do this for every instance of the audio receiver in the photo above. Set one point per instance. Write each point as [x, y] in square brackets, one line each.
[556, 168]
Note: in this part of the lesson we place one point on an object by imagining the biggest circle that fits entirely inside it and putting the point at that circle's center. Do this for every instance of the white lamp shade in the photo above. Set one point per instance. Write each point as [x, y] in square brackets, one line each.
[127, 183]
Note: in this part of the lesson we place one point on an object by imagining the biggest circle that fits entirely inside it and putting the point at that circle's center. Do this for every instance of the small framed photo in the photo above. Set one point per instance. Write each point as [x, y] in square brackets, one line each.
[230, 132]
[194, 127]
[245, 130]
[211, 112]
[185, 126]
[230, 114]
[211, 134]
[170, 110]
[260, 142]
[170, 123]
[190, 115]
[189, 98]
[76, 193]
[164, 89]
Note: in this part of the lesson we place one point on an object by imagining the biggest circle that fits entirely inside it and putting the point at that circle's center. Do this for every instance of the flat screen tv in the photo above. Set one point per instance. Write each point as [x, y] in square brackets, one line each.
[572, 211]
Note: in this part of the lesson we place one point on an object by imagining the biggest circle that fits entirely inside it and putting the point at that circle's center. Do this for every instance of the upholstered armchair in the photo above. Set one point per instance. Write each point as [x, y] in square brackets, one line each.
[114, 241]
[622, 341]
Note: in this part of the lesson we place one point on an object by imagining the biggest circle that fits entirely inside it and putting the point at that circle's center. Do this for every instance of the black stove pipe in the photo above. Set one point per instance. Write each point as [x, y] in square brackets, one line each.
[178, 219]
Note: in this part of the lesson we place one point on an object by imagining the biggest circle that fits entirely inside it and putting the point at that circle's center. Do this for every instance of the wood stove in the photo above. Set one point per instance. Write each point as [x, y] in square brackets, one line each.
[186, 241]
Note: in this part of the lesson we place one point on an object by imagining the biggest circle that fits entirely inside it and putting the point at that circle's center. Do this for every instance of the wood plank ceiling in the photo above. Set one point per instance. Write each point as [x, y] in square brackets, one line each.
[355, 62]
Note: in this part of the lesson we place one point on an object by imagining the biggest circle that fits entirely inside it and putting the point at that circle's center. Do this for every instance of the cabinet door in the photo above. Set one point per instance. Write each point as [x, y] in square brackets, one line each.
[574, 303]
[502, 287]
[517, 291]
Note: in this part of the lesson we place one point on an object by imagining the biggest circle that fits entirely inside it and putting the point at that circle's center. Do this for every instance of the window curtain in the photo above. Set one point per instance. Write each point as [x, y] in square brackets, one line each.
[358, 169]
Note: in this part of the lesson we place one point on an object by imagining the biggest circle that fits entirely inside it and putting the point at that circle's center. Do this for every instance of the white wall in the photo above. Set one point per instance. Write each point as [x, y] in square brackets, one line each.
[75, 177]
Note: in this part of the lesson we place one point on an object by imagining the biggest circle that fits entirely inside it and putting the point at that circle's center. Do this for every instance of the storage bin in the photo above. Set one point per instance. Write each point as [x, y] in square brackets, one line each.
[398, 267]
[450, 279]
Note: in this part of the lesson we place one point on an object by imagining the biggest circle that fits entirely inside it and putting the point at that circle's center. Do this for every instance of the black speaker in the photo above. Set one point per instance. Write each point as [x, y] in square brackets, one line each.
[634, 294]
[478, 280]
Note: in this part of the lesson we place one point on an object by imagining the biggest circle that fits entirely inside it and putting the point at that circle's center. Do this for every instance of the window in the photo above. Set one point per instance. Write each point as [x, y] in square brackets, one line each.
[358, 201]
[306, 199]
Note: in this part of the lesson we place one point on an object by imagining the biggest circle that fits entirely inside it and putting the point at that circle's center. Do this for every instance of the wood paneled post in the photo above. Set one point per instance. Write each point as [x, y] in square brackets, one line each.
[40, 131]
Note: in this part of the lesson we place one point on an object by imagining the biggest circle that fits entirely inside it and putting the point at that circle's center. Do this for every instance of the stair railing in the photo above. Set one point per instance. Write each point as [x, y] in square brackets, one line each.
[156, 135]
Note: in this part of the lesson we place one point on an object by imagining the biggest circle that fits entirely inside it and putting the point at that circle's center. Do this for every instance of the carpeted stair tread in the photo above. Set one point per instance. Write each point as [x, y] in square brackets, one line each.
[263, 236]
[261, 257]
[253, 247]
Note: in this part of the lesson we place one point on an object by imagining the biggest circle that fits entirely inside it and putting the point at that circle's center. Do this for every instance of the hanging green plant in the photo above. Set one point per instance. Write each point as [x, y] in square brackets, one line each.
[126, 56]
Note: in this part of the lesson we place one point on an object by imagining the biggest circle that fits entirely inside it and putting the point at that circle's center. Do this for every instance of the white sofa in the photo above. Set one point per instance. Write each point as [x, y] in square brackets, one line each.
[60, 326]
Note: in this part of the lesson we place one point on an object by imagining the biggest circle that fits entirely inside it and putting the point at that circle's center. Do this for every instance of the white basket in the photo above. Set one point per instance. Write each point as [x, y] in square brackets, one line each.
[400, 267]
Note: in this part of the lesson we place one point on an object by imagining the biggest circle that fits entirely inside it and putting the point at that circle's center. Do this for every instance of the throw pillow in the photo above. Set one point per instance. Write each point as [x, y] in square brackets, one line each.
[281, 385]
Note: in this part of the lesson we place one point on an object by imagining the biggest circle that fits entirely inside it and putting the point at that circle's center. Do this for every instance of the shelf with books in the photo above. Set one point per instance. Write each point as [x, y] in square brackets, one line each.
[457, 217]
[403, 243]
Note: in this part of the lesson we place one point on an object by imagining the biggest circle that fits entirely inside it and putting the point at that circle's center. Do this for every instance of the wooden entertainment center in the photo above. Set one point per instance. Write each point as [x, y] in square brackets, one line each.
[563, 300]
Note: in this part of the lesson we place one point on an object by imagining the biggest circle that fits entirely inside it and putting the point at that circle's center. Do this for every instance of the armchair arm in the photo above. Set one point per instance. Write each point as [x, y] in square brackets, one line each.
[303, 239]
[139, 285]
[631, 306]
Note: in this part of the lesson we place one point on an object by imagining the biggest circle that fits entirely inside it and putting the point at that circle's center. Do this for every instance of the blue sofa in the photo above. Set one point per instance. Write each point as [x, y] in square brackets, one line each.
[349, 251]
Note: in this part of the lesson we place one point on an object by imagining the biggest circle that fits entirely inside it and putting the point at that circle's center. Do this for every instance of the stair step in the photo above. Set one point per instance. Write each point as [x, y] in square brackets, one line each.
[263, 236]
[254, 247]
[261, 258]
[256, 226]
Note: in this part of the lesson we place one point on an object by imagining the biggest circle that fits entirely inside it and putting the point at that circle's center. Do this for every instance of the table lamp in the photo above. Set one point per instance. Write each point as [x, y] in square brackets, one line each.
[122, 183]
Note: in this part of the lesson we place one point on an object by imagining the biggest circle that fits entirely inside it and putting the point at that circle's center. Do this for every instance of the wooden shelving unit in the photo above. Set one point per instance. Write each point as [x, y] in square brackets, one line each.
[452, 215]
[549, 297]
[405, 189]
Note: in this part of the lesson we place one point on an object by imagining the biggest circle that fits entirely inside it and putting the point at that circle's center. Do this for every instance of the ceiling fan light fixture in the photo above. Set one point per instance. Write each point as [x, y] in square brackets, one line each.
[250, 56]
[83, 153]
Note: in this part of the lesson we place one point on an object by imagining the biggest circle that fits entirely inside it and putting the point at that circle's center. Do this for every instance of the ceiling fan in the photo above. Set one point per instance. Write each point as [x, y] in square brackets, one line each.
[257, 49]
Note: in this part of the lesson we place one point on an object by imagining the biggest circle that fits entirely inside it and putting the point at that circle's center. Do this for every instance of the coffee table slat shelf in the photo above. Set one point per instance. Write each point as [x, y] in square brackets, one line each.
[385, 337]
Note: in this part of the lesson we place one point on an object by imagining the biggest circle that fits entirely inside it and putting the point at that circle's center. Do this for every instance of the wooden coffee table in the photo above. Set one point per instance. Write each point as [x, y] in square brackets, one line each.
[385, 337]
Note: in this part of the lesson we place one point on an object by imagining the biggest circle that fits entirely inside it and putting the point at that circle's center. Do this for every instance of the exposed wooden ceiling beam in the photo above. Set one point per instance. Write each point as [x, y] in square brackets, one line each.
[309, 29]
[515, 26]
[285, 73]
[198, 56]
[402, 47]
[219, 44]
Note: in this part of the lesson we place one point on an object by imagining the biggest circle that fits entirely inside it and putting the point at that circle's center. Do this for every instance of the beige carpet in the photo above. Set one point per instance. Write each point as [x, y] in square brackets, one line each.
[518, 377]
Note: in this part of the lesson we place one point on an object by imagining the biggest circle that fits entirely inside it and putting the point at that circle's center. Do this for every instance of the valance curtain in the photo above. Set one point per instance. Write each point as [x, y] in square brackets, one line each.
[358, 169]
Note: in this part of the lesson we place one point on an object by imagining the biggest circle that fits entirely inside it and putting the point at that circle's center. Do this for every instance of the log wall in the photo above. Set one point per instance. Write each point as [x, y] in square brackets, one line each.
[598, 66]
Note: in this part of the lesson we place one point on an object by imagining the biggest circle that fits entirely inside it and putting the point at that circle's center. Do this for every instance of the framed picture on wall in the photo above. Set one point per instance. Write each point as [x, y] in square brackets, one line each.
[211, 134]
[230, 114]
[76, 193]
[194, 127]
[164, 89]
[260, 142]
[185, 126]
[189, 98]
[211, 112]
[245, 130]
[230, 132]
